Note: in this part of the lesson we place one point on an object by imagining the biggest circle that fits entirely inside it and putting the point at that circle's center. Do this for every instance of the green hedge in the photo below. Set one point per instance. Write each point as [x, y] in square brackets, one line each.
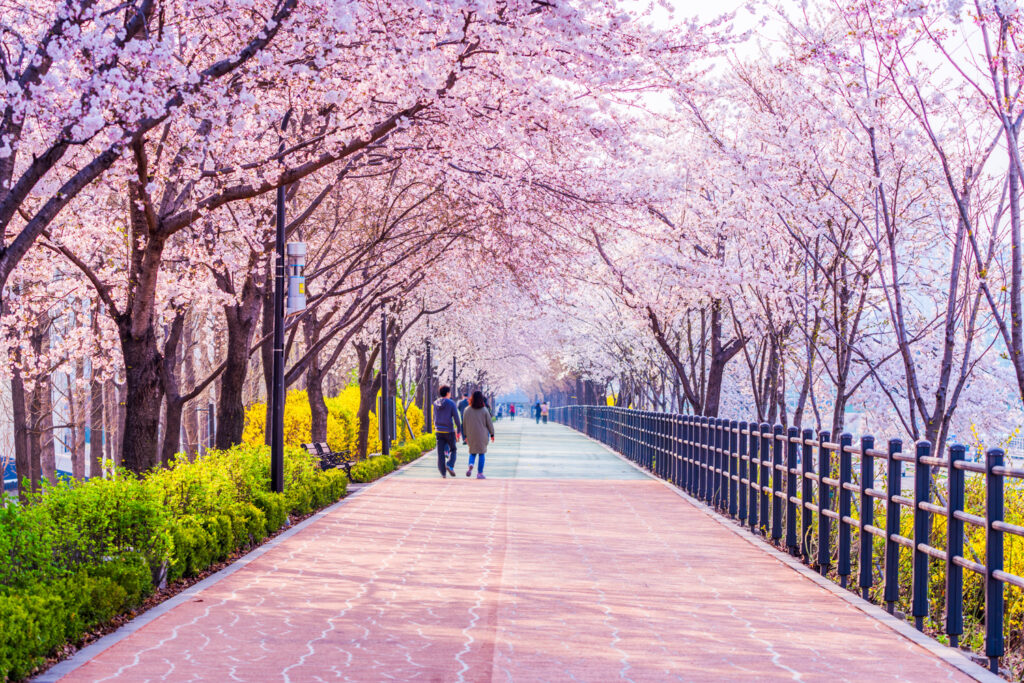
[37, 619]
[79, 553]
[414, 449]
[375, 467]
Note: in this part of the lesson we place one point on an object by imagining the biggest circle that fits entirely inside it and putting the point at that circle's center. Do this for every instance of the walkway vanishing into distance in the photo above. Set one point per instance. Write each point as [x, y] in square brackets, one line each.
[566, 564]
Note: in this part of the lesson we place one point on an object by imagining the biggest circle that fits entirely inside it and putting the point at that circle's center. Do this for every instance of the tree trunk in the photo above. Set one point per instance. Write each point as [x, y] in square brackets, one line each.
[367, 394]
[713, 393]
[76, 411]
[144, 393]
[369, 385]
[96, 430]
[40, 411]
[41, 442]
[317, 406]
[241, 324]
[189, 413]
[839, 409]
[22, 457]
[173, 408]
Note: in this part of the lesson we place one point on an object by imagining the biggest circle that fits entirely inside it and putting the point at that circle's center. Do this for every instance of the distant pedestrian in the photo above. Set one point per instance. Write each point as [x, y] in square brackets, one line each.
[544, 409]
[477, 427]
[501, 409]
[463, 404]
[512, 412]
[447, 425]
[536, 411]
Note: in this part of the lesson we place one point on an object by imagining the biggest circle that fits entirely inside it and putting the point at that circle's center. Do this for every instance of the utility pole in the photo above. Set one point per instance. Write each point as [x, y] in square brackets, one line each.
[384, 412]
[277, 395]
[455, 383]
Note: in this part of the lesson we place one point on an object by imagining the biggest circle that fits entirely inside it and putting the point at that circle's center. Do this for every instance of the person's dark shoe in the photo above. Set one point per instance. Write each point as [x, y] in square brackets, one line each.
[451, 470]
[469, 472]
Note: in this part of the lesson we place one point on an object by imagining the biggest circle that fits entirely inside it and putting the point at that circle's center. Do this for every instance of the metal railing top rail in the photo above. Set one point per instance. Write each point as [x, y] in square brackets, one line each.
[766, 476]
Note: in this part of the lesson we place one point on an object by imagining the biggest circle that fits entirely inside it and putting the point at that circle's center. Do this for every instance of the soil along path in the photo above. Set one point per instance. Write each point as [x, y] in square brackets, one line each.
[565, 564]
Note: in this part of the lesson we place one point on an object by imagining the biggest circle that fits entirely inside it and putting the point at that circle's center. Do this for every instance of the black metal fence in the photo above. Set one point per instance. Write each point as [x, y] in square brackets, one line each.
[774, 480]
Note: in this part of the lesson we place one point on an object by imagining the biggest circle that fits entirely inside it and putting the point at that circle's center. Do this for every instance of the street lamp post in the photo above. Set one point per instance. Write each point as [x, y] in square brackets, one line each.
[428, 395]
[277, 393]
[455, 383]
[384, 412]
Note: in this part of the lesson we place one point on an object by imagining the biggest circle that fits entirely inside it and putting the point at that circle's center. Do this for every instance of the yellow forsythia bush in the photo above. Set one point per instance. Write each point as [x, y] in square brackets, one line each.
[342, 423]
[415, 421]
[343, 426]
[297, 421]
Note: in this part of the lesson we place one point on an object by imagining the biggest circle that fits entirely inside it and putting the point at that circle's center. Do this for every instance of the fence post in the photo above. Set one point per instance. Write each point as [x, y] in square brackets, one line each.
[632, 419]
[649, 442]
[656, 459]
[867, 515]
[994, 648]
[733, 466]
[776, 483]
[954, 548]
[894, 487]
[694, 455]
[845, 499]
[709, 460]
[671, 447]
[657, 452]
[685, 445]
[806, 491]
[680, 450]
[922, 494]
[791, 512]
[638, 439]
[714, 488]
[766, 459]
[754, 493]
[627, 426]
[634, 433]
[742, 489]
[654, 447]
[665, 452]
[701, 458]
[824, 499]
[720, 467]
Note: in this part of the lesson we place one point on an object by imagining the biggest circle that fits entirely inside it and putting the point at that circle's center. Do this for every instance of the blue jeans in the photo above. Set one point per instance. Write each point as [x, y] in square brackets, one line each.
[445, 442]
[473, 457]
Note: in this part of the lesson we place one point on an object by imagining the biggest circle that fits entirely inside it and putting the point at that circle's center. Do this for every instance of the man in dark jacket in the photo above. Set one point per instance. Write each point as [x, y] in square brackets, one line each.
[447, 426]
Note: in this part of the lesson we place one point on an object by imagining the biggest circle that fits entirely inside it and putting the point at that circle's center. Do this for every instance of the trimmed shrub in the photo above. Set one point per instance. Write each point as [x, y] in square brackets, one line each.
[73, 523]
[273, 507]
[373, 468]
[80, 553]
[35, 621]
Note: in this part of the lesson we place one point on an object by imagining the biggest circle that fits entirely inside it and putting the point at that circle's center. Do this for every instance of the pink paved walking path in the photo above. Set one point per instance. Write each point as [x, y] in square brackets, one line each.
[515, 579]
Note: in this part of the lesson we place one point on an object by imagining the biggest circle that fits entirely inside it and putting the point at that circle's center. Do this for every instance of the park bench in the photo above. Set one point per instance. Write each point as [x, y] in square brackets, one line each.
[329, 458]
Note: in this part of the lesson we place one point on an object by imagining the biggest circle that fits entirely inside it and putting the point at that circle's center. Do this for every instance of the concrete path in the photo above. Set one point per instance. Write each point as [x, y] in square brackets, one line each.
[566, 564]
